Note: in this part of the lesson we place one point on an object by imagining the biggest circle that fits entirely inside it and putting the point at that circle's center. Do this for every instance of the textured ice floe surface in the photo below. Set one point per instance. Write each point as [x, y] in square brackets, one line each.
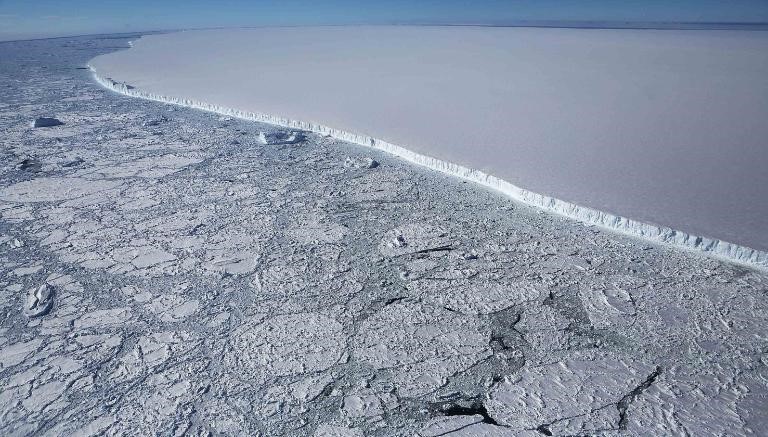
[665, 128]
[166, 271]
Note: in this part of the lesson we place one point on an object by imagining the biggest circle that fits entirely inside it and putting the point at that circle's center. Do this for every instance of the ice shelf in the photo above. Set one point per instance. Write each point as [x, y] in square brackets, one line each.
[488, 176]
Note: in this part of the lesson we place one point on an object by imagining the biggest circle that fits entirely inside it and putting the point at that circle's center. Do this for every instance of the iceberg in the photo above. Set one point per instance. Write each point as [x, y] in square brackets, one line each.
[643, 139]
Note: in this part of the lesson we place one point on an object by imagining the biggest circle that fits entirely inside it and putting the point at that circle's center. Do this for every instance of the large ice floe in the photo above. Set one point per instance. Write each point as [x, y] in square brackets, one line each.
[660, 134]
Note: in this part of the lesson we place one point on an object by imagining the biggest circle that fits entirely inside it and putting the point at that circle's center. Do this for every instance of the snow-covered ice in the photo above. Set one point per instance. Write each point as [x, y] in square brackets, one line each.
[185, 278]
[665, 128]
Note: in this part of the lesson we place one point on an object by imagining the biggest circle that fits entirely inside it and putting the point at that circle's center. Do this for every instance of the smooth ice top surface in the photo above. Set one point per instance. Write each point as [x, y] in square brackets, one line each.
[666, 127]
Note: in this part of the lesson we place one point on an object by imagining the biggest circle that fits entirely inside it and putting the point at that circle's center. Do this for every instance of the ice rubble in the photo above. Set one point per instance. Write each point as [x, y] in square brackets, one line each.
[662, 234]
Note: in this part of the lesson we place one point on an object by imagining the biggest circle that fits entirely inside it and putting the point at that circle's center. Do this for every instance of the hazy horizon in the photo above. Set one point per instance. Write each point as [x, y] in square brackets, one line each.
[48, 18]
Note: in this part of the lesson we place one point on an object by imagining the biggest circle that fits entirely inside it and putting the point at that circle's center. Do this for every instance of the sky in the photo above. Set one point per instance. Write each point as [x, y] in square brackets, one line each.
[42, 18]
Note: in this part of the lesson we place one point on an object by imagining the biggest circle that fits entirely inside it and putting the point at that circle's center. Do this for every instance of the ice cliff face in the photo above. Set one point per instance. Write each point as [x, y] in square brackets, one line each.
[718, 248]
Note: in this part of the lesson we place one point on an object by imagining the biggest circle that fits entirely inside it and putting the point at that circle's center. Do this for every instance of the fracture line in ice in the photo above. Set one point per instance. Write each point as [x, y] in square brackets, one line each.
[661, 234]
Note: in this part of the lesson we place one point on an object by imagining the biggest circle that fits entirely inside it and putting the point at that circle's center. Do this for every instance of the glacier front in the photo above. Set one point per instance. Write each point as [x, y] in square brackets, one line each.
[657, 133]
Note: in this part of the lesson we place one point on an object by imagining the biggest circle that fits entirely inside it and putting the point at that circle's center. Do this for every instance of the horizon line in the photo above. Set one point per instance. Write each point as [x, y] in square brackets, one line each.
[549, 24]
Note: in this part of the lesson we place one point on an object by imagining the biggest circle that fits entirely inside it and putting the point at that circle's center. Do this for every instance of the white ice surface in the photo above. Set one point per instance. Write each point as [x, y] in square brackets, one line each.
[667, 128]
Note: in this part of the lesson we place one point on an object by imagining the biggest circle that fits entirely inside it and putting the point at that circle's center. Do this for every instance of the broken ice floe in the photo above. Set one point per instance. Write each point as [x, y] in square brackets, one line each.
[447, 425]
[104, 319]
[371, 405]
[28, 270]
[572, 397]
[474, 296]
[350, 162]
[53, 189]
[30, 164]
[326, 430]
[422, 345]
[73, 162]
[281, 137]
[151, 351]
[172, 308]
[685, 403]
[149, 167]
[289, 344]
[414, 238]
[315, 229]
[39, 301]
[154, 121]
[610, 307]
[308, 389]
[142, 257]
[18, 352]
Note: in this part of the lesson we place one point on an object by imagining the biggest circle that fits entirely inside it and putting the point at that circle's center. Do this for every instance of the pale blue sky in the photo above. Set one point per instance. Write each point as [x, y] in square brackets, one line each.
[35, 18]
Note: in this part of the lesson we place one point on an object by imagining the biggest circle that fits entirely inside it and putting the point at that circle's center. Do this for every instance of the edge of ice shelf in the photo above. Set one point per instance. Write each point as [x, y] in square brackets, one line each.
[658, 234]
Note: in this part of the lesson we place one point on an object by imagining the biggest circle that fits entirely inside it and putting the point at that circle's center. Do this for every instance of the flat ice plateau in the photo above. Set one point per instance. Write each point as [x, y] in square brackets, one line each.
[657, 133]
[169, 271]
